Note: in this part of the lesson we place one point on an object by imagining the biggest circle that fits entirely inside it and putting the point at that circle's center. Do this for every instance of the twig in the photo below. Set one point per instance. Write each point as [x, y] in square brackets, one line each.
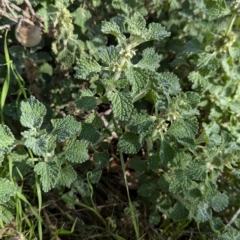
[233, 218]
[5, 14]
[30, 8]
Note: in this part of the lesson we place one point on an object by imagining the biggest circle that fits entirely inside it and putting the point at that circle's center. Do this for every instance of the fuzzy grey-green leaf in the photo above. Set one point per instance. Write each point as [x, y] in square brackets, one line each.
[32, 113]
[65, 128]
[76, 151]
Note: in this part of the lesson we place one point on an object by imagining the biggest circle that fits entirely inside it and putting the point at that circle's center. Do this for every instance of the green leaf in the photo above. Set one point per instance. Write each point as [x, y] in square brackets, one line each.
[94, 120]
[138, 165]
[167, 153]
[216, 8]
[219, 202]
[150, 60]
[86, 68]
[6, 215]
[169, 82]
[32, 113]
[108, 55]
[198, 80]
[101, 159]
[6, 140]
[231, 234]
[192, 99]
[193, 46]
[49, 174]
[138, 78]
[67, 56]
[81, 18]
[113, 29]
[154, 218]
[89, 133]
[7, 190]
[65, 128]
[46, 68]
[156, 32]
[67, 176]
[39, 145]
[141, 124]
[129, 143]
[196, 170]
[207, 60]
[153, 162]
[136, 25]
[203, 213]
[76, 151]
[145, 190]
[179, 212]
[86, 100]
[180, 182]
[95, 176]
[122, 105]
[184, 128]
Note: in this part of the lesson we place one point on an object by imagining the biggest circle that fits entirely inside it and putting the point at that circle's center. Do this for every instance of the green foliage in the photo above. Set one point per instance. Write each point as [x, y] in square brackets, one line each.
[152, 83]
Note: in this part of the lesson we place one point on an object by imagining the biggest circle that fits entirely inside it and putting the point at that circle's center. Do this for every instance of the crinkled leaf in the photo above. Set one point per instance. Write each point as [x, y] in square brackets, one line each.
[39, 145]
[129, 143]
[122, 104]
[86, 68]
[6, 215]
[7, 190]
[150, 59]
[156, 32]
[67, 56]
[196, 170]
[32, 113]
[137, 24]
[179, 212]
[6, 140]
[49, 174]
[65, 128]
[81, 18]
[94, 120]
[203, 213]
[180, 182]
[208, 60]
[108, 55]
[193, 46]
[76, 151]
[184, 128]
[220, 202]
[216, 8]
[141, 124]
[67, 176]
[113, 29]
[87, 103]
[138, 78]
[153, 162]
[198, 80]
[101, 159]
[167, 153]
[138, 165]
[89, 133]
[230, 234]
[154, 218]
[95, 176]
[169, 82]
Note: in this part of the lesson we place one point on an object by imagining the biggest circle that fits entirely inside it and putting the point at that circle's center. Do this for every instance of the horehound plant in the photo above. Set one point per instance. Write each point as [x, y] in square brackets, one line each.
[133, 111]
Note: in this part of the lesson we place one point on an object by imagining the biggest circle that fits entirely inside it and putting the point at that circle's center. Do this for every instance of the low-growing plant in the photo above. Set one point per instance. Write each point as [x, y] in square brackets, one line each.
[159, 105]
